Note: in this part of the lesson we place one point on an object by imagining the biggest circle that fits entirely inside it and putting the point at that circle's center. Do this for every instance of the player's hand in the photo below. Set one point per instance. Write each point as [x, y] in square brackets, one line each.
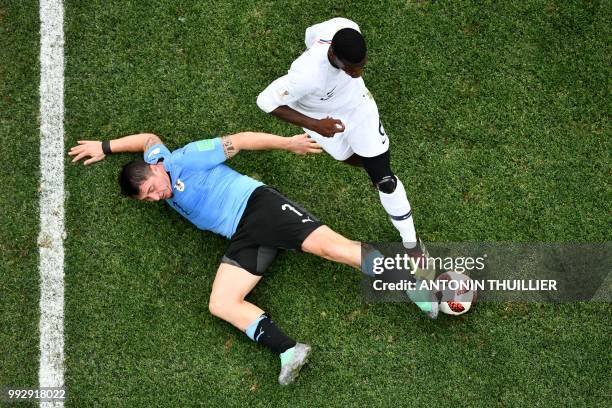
[87, 148]
[329, 126]
[303, 144]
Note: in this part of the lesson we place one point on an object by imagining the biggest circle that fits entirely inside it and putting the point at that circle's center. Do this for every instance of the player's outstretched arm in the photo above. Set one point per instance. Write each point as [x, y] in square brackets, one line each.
[298, 144]
[92, 149]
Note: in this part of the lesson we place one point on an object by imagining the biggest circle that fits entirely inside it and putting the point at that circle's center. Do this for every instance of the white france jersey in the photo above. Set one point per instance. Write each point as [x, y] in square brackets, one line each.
[312, 85]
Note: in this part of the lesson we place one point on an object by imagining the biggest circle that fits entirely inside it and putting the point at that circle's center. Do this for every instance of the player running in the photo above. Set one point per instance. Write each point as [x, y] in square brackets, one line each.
[257, 219]
[324, 93]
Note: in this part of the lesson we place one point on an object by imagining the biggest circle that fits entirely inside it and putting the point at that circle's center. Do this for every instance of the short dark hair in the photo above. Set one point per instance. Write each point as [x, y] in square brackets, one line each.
[349, 45]
[132, 175]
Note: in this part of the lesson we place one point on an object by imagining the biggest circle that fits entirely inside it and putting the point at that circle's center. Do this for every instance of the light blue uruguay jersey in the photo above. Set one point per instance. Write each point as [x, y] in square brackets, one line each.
[206, 192]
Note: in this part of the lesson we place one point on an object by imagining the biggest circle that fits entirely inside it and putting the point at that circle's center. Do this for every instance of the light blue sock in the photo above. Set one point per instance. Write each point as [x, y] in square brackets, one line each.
[250, 331]
[367, 266]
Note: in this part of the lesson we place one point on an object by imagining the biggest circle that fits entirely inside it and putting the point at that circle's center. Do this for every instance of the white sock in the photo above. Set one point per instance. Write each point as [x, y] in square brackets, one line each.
[397, 206]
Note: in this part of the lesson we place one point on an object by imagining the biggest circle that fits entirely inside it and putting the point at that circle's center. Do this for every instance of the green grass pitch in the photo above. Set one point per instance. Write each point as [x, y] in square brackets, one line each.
[499, 118]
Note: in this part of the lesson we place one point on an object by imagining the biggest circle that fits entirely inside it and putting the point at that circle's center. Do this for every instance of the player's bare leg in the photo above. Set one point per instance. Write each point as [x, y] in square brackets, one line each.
[328, 244]
[232, 284]
[354, 160]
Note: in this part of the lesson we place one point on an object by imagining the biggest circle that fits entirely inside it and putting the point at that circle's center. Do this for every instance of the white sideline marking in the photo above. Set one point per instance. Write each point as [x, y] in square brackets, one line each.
[51, 238]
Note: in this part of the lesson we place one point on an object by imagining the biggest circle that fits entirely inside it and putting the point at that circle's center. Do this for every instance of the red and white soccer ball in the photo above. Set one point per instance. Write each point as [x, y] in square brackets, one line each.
[459, 295]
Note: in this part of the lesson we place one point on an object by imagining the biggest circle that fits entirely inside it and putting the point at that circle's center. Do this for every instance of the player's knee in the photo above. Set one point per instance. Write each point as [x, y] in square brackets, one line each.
[217, 306]
[387, 184]
[214, 307]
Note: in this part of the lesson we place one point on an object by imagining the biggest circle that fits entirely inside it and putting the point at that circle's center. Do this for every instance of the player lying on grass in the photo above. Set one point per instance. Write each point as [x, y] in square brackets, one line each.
[256, 218]
[325, 94]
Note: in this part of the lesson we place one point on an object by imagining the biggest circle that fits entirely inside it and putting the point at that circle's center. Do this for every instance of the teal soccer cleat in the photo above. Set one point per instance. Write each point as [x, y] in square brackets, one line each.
[426, 300]
[292, 361]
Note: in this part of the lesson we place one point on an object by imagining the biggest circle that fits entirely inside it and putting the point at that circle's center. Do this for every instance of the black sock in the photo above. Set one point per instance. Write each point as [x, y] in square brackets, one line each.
[268, 334]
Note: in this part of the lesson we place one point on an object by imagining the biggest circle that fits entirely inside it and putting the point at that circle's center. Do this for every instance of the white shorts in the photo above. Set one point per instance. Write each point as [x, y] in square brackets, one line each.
[363, 132]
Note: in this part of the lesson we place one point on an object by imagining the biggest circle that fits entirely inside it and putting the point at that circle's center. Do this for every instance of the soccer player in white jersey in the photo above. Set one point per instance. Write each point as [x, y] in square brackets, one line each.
[324, 93]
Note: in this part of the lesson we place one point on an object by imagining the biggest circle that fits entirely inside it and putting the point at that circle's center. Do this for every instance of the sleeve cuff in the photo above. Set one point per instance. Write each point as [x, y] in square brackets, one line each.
[266, 103]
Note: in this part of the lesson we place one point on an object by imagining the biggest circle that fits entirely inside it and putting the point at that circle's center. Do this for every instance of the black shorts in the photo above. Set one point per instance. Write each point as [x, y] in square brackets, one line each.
[270, 222]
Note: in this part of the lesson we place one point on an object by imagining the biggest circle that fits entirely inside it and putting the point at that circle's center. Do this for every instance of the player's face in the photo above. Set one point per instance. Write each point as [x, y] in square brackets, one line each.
[353, 70]
[157, 186]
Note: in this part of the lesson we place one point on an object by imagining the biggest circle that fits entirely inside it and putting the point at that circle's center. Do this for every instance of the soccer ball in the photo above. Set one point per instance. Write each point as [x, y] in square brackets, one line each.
[458, 295]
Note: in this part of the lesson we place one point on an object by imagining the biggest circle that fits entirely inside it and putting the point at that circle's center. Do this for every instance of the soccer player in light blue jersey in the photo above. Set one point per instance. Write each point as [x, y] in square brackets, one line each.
[257, 219]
